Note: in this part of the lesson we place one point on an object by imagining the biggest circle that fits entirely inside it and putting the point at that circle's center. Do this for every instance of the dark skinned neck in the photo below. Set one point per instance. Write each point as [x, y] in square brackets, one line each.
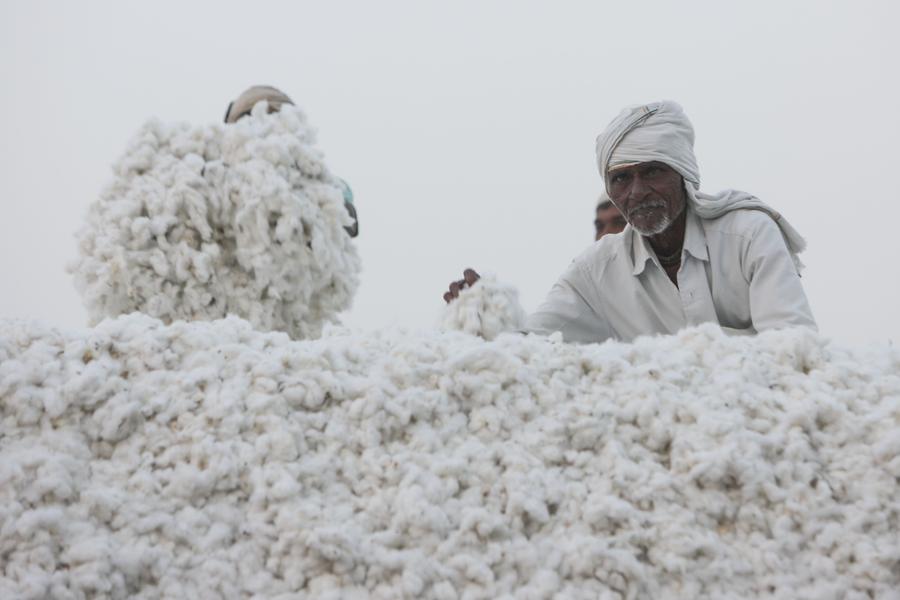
[671, 240]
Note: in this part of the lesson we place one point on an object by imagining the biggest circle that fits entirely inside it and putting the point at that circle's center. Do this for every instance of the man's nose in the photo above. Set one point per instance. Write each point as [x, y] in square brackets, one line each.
[639, 188]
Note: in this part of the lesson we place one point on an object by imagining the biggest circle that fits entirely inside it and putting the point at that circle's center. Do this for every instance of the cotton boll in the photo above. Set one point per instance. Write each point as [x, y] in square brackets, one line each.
[487, 309]
[202, 222]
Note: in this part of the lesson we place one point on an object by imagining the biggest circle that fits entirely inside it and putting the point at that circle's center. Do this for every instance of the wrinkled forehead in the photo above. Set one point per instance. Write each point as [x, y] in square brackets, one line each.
[637, 165]
[626, 165]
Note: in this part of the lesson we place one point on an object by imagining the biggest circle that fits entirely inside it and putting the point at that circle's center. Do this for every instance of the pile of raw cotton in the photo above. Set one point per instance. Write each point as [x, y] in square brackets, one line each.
[486, 309]
[210, 460]
[202, 222]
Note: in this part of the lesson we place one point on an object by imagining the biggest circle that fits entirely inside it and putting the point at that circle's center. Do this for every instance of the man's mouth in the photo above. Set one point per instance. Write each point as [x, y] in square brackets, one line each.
[644, 209]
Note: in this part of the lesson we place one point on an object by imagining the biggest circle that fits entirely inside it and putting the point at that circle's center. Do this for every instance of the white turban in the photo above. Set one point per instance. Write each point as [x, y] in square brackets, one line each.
[660, 131]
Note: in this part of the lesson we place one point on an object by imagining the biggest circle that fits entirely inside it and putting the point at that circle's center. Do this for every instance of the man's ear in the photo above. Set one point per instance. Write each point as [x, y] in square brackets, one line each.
[228, 110]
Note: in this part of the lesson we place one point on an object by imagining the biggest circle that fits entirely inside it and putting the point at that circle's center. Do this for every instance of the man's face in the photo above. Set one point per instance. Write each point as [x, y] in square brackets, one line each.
[608, 220]
[650, 195]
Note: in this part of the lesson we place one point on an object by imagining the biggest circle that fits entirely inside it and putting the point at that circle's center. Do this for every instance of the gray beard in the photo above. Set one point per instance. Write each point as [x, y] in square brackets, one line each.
[661, 225]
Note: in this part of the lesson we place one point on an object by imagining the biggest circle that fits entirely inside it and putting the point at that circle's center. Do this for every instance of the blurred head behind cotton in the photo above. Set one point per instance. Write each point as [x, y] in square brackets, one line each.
[243, 105]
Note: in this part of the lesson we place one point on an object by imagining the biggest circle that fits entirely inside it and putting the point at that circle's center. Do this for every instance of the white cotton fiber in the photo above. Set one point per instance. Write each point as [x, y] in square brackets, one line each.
[487, 309]
[202, 222]
[211, 460]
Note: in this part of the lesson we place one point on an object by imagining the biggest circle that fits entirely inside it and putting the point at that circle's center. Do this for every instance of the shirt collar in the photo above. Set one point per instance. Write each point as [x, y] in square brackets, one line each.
[694, 244]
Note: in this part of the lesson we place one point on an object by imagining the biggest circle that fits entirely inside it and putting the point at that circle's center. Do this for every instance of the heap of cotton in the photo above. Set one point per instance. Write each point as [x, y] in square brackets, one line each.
[486, 309]
[209, 460]
[202, 222]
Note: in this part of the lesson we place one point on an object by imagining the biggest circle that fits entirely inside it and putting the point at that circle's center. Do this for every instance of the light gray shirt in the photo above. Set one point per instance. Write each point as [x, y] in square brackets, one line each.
[736, 271]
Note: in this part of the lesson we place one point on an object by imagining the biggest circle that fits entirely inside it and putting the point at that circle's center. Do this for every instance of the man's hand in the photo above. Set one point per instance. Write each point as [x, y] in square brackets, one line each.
[468, 280]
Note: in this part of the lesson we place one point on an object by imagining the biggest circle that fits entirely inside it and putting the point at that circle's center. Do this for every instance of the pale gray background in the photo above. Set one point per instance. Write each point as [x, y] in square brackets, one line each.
[466, 129]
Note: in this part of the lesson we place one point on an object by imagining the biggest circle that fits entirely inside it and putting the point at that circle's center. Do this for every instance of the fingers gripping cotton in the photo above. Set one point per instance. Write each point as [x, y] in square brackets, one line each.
[486, 309]
[202, 222]
[211, 460]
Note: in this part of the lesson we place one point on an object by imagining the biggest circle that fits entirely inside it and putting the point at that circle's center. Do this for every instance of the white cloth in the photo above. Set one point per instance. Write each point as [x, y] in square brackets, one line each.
[736, 271]
[661, 131]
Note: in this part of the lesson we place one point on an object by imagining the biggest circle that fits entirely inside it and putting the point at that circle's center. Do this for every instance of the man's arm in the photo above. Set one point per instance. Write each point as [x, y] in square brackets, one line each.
[568, 310]
[777, 298]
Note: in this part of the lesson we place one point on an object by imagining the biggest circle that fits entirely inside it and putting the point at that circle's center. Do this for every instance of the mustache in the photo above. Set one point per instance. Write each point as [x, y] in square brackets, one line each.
[651, 205]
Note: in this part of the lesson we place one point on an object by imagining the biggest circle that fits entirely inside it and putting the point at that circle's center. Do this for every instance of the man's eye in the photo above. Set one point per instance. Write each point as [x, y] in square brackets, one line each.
[618, 178]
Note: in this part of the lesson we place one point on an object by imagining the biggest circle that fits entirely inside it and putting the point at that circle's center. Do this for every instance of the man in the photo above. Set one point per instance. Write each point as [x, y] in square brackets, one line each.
[607, 218]
[685, 257]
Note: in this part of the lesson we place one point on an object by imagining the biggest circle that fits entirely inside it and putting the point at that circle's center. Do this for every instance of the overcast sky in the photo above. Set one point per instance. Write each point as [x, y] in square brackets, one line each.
[466, 129]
